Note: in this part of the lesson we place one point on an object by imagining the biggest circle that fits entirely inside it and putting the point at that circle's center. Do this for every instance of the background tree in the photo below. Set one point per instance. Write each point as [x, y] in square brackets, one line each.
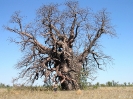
[97, 84]
[125, 84]
[70, 43]
[109, 83]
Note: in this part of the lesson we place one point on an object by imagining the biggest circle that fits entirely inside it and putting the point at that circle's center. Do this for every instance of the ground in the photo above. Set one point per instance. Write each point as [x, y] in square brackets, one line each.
[99, 93]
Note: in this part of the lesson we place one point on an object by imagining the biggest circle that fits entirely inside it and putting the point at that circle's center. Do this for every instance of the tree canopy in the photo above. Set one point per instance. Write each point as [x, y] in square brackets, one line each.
[60, 43]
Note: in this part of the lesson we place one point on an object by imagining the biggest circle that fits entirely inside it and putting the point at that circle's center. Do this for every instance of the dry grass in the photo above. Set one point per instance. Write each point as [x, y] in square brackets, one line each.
[100, 93]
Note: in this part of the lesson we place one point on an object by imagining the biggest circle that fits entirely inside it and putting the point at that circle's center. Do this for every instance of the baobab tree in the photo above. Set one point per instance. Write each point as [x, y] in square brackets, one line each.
[60, 43]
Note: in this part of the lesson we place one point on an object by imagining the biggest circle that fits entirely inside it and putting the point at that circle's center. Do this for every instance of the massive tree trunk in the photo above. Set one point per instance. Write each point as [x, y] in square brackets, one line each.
[67, 66]
[70, 43]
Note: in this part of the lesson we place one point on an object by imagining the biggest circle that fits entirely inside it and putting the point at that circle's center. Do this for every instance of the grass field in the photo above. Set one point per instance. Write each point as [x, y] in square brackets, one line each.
[99, 93]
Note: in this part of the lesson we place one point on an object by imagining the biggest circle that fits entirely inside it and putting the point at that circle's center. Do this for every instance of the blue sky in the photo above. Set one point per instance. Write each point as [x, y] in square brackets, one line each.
[119, 48]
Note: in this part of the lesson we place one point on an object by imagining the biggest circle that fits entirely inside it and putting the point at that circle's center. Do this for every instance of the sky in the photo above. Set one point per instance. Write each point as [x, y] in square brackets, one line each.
[120, 48]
